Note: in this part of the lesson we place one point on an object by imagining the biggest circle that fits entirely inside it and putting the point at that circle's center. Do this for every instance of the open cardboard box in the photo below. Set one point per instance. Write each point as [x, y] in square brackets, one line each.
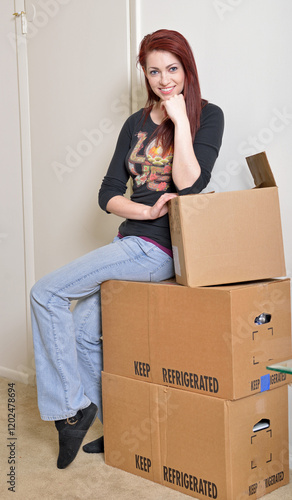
[202, 446]
[229, 237]
[202, 339]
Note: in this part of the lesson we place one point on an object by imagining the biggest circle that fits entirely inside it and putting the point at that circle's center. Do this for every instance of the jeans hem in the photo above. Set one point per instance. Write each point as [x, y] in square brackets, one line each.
[69, 415]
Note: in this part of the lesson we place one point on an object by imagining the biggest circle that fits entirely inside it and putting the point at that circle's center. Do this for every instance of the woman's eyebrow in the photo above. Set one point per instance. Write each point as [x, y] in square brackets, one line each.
[154, 67]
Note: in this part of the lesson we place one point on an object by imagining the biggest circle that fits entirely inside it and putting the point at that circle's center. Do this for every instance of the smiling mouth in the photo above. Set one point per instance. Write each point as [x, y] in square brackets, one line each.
[166, 90]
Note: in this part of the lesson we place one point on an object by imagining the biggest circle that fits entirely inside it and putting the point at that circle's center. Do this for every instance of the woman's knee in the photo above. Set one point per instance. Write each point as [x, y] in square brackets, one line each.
[39, 292]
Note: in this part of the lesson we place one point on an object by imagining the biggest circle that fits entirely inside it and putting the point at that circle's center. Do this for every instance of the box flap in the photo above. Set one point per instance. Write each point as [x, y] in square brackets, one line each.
[261, 170]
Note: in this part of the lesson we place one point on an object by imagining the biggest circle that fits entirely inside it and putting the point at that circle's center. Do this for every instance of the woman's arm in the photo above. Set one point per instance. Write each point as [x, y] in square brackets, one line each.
[185, 167]
[119, 205]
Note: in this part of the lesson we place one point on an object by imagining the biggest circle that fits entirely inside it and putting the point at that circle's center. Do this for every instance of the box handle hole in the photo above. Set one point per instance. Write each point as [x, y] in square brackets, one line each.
[263, 318]
[264, 423]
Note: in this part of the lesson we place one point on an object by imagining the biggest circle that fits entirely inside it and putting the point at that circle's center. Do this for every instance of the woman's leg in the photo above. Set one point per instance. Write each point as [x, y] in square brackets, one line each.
[60, 364]
[87, 323]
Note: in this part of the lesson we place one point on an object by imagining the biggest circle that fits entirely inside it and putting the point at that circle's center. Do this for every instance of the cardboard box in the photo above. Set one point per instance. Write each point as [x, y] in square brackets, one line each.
[229, 237]
[202, 340]
[202, 446]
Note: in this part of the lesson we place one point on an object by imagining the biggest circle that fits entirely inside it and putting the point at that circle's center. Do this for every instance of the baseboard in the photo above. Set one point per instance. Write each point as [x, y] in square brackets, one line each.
[17, 376]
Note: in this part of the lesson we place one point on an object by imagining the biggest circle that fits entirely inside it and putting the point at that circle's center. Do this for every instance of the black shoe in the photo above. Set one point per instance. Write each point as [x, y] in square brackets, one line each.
[96, 446]
[71, 433]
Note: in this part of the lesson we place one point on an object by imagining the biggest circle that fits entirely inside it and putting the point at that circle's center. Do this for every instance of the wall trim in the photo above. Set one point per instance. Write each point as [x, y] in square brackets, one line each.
[137, 89]
[26, 166]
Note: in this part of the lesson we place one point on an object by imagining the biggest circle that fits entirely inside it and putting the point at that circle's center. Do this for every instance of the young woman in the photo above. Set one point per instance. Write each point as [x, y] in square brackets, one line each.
[169, 149]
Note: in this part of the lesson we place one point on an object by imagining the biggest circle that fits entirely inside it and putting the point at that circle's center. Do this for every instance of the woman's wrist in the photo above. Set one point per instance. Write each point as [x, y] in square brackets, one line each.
[181, 123]
[146, 214]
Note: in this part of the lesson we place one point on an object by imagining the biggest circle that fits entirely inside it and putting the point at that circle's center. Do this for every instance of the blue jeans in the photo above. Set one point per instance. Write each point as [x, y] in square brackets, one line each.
[67, 344]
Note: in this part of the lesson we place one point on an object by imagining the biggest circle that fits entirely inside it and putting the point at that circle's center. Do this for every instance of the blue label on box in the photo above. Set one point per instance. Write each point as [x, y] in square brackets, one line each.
[265, 382]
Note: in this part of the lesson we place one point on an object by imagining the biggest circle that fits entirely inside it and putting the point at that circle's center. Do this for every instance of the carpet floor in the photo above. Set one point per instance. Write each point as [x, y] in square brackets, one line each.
[87, 478]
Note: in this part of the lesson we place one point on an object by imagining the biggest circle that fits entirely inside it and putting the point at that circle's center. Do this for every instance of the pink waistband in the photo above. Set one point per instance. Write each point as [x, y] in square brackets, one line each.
[164, 249]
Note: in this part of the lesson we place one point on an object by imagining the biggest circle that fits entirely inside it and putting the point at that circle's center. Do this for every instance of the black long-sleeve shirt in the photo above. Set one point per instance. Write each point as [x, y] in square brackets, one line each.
[137, 155]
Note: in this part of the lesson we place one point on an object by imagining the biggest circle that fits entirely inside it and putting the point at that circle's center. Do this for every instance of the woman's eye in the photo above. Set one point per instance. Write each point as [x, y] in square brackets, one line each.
[173, 68]
[153, 72]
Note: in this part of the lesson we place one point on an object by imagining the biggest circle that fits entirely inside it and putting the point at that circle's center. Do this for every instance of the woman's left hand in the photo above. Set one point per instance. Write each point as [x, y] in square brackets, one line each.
[175, 108]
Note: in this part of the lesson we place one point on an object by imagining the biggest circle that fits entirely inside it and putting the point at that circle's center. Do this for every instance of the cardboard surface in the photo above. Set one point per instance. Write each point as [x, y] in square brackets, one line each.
[203, 446]
[202, 340]
[229, 237]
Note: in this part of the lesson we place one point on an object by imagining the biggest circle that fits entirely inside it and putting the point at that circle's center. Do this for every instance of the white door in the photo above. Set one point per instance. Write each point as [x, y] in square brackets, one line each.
[15, 272]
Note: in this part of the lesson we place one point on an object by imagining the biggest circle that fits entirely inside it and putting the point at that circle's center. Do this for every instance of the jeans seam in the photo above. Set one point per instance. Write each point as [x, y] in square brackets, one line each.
[81, 327]
[79, 336]
[166, 262]
[55, 294]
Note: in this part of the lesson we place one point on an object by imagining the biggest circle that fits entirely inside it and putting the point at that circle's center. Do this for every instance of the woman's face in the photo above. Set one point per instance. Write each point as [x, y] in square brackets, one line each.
[165, 74]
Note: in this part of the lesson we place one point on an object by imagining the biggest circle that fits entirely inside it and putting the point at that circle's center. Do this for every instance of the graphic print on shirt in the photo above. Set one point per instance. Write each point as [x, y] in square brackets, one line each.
[153, 168]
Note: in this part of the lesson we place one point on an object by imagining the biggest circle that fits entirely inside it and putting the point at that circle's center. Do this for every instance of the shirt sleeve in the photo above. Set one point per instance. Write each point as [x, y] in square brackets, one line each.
[115, 181]
[207, 144]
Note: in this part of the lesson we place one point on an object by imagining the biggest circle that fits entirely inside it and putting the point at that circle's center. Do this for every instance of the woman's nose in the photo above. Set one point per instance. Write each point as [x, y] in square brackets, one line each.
[164, 78]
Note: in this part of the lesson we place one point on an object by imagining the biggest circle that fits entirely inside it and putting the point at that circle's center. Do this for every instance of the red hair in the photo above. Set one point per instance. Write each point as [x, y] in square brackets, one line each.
[174, 42]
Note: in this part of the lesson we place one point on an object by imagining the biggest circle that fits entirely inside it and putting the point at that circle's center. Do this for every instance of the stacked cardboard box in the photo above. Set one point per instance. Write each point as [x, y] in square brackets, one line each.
[203, 446]
[229, 237]
[188, 401]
